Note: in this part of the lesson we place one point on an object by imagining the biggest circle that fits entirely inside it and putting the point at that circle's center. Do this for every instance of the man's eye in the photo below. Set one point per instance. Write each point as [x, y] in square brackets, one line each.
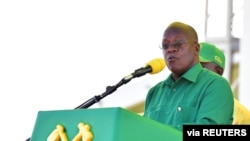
[177, 45]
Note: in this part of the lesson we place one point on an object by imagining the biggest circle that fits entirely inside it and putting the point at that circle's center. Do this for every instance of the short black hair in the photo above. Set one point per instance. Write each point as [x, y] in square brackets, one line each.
[182, 27]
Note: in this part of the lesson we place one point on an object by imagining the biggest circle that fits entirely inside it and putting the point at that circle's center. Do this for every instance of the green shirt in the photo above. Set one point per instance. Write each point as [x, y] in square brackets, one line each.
[199, 96]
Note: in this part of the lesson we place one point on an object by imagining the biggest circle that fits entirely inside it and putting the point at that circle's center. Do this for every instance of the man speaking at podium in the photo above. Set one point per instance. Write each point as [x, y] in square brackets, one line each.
[190, 94]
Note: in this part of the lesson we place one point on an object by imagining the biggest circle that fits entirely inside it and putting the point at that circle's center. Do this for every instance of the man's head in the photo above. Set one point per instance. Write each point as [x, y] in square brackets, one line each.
[180, 48]
[212, 58]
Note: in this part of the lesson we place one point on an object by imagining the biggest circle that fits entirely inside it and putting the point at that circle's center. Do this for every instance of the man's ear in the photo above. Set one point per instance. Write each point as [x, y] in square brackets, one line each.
[197, 48]
[219, 70]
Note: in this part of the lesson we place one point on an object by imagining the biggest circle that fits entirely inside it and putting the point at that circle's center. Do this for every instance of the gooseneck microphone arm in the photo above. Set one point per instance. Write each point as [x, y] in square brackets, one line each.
[111, 89]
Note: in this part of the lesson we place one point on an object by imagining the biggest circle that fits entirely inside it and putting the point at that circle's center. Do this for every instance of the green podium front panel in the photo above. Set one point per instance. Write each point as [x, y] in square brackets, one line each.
[106, 124]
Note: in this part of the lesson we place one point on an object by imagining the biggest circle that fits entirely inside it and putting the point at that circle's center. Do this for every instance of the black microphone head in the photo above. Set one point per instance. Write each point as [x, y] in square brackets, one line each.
[157, 65]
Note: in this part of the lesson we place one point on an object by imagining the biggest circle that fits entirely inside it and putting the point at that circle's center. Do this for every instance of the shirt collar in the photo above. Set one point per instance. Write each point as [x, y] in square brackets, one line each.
[191, 74]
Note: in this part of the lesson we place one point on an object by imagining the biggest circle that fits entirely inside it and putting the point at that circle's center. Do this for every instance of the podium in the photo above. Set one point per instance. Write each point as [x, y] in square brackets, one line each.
[106, 124]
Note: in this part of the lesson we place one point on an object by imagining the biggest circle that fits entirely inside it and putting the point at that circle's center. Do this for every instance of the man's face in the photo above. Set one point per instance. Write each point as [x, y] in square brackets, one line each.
[212, 67]
[179, 51]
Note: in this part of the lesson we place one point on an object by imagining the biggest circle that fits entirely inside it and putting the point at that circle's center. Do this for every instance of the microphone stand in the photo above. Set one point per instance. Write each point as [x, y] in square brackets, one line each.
[97, 98]
[110, 89]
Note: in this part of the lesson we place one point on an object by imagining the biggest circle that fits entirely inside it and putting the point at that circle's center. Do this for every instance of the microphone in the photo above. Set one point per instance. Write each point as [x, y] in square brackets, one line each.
[154, 66]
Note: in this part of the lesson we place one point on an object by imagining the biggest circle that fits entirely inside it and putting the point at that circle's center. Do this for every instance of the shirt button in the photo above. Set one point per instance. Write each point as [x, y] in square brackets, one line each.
[179, 109]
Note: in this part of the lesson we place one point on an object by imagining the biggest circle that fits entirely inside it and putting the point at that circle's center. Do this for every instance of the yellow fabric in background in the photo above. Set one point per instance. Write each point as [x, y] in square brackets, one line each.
[241, 113]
